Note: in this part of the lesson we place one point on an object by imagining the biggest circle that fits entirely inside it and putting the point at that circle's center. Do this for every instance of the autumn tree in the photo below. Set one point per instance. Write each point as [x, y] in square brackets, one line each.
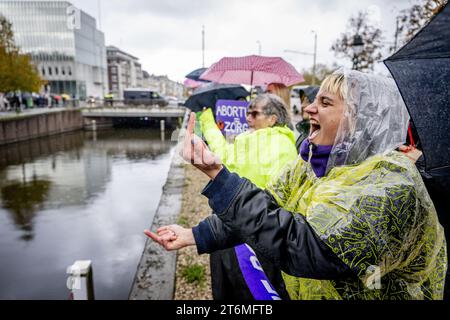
[371, 37]
[16, 70]
[411, 20]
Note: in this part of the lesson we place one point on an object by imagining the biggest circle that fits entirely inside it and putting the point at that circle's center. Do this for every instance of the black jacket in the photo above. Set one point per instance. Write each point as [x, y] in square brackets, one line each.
[246, 214]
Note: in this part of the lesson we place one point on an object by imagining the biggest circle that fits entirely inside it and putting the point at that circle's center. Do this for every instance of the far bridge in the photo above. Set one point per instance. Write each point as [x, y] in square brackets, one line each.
[107, 116]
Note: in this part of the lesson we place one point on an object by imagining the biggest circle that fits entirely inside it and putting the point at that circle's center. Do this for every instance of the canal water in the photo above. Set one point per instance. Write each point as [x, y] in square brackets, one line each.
[79, 196]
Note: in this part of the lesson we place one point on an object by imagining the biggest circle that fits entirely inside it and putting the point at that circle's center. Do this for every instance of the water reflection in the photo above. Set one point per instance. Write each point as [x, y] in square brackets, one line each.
[24, 199]
[79, 171]
[75, 197]
[29, 151]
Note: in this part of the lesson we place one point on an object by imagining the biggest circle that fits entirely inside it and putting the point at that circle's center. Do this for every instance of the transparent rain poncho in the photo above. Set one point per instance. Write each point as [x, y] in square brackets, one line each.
[371, 208]
[375, 119]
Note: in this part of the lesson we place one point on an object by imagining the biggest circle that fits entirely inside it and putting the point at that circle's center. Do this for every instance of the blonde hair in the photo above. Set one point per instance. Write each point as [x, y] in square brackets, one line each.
[284, 93]
[335, 83]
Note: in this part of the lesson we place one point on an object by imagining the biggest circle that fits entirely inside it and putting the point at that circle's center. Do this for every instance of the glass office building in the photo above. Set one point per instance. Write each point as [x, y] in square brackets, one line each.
[65, 44]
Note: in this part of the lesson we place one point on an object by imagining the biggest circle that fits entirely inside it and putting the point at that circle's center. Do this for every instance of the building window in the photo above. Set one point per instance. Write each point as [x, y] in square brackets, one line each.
[63, 71]
[43, 71]
[69, 71]
[49, 71]
[56, 71]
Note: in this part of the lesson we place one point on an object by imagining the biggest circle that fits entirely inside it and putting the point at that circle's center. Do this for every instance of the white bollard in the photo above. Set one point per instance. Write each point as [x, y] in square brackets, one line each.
[94, 125]
[80, 282]
[163, 130]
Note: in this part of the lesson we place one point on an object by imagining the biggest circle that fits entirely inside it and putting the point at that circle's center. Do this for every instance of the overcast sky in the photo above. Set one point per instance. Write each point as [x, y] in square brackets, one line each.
[167, 35]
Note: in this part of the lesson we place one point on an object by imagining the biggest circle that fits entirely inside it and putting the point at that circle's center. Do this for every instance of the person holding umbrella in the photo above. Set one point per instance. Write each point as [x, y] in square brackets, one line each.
[357, 223]
[256, 70]
[282, 91]
[307, 97]
[258, 155]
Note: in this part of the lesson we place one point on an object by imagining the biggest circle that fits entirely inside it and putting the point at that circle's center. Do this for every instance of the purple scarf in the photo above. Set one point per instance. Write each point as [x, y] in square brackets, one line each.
[319, 159]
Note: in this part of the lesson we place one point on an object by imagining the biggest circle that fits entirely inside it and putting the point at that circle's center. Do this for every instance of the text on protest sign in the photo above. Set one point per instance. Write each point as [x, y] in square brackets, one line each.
[231, 116]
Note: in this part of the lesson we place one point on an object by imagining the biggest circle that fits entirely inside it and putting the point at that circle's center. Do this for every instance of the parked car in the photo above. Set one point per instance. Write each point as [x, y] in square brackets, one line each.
[140, 96]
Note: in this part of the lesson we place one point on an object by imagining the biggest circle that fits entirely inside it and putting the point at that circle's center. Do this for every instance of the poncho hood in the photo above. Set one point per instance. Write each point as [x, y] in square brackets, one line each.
[371, 209]
[375, 119]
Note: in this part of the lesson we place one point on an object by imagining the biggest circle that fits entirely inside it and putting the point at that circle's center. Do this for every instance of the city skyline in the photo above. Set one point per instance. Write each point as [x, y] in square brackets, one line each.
[167, 36]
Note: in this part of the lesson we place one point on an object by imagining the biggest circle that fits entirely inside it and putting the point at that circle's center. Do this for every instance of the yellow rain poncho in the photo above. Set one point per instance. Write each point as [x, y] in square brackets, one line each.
[371, 208]
[257, 156]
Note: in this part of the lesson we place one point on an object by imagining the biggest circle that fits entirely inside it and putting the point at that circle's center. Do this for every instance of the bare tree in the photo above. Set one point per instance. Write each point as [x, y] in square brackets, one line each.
[371, 37]
[411, 20]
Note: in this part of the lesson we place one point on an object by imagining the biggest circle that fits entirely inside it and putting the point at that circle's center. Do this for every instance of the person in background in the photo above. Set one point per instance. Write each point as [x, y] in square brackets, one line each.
[16, 102]
[308, 96]
[258, 155]
[2, 102]
[284, 93]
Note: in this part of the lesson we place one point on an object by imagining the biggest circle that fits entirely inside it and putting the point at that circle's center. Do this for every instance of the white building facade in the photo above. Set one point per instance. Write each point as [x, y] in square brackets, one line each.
[164, 86]
[64, 43]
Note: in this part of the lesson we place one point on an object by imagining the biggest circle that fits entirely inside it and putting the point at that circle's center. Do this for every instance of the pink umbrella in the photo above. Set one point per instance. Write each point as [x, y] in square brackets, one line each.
[192, 84]
[253, 70]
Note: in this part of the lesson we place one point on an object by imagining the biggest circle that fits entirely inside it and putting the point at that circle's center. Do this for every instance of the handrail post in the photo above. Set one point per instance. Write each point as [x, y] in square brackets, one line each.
[80, 281]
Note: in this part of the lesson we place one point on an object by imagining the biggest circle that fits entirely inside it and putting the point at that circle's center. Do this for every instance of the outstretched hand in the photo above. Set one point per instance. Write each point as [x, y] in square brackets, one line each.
[197, 153]
[172, 237]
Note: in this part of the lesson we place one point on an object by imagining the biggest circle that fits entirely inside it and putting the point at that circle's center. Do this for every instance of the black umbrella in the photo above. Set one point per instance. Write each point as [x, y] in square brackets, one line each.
[310, 92]
[421, 70]
[195, 75]
[207, 96]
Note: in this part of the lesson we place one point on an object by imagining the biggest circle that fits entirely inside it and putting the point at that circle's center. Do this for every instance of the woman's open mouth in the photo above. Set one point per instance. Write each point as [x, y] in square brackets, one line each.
[315, 130]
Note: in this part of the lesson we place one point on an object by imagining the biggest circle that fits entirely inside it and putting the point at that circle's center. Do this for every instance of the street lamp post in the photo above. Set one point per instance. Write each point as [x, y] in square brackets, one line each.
[358, 47]
[99, 4]
[203, 46]
[259, 47]
[315, 57]
[309, 54]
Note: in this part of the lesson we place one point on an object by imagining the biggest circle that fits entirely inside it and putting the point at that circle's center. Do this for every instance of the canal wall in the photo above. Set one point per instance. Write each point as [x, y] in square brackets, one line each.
[155, 276]
[29, 126]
